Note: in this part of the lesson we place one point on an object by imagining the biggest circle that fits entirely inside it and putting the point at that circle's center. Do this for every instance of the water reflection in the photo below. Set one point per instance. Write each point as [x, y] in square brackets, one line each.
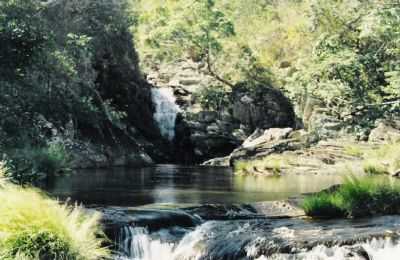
[180, 184]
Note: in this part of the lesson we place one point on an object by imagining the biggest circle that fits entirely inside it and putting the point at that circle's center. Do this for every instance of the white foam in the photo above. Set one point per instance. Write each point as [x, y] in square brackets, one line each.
[166, 111]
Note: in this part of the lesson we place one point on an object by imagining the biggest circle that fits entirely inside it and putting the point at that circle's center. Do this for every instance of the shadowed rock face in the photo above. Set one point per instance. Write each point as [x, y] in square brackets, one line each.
[118, 79]
[262, 107]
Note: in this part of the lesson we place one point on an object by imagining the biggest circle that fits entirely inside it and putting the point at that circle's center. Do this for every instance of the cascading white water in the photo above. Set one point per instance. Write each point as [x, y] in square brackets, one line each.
[166, 111]
[138, 244]
[376, 249]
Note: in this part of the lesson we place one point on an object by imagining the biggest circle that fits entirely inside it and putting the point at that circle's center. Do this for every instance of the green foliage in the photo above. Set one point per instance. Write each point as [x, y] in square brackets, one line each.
[355, 198]
[30, 164]
[213, 98]
[323, 205]
[32, 226]
[355, 55]
[66, 63]
[344, 54]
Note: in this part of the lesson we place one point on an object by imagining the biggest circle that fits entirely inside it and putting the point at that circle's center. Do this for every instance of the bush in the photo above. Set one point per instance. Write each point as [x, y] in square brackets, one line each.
[355, 198]
[30, 164]
[33, 226]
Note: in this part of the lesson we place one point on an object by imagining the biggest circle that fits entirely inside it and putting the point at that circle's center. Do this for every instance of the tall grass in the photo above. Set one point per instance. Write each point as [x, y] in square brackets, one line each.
[384, 160]
[357, 197]
[33, 226]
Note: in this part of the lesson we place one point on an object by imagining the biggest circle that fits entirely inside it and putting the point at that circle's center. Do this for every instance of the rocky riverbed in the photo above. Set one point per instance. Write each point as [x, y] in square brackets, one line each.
[272, 230]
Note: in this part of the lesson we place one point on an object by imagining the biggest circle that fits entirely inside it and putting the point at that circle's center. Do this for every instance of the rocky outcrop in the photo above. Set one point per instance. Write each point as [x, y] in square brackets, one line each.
[204, 134]
[263, 143]
[91, 156]
[270, 142]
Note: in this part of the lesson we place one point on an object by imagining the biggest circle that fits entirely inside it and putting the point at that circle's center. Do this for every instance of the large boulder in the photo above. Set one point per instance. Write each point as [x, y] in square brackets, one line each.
[385, 131]
[262, 107]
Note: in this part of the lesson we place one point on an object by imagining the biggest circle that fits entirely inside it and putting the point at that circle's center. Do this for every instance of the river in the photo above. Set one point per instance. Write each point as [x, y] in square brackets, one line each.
[171, 212]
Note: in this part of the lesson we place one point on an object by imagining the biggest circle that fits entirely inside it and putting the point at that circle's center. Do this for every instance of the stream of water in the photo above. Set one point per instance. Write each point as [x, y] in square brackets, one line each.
[152, 223]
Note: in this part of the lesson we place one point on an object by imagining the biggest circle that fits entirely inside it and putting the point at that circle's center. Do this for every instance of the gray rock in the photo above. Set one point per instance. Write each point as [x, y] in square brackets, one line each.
[269, 135]
[262, 107]
[384, 132]
[213, 128]
[188, 82]
[221, 161]
[207, 116]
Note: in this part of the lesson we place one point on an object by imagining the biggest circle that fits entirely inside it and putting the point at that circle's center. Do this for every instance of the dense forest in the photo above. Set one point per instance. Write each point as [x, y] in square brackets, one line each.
[77, 90]
[342, 55]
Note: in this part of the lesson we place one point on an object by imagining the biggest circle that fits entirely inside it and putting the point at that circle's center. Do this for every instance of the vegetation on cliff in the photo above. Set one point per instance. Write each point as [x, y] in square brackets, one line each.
[69, 69]
[339, 55]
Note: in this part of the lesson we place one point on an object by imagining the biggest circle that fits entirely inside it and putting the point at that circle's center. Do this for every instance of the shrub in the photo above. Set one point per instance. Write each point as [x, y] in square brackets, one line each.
[33, 226]
[52, 159]
[30, 164]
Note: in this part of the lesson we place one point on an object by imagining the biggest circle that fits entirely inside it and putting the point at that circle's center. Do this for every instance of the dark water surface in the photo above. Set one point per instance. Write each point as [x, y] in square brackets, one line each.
[175, 184]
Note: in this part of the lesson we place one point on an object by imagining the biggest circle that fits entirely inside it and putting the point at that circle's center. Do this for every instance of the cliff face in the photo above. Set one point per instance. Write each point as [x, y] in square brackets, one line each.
[115, 61]
[117, 79]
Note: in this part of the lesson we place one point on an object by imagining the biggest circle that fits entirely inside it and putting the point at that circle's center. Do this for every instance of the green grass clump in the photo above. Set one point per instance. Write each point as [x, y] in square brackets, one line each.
[33, 226]
[353, 150]
[355, 198]
[323, 205]
[269, 165]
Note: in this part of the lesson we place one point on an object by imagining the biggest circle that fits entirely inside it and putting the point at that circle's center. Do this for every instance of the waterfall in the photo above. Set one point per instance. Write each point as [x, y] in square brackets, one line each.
[136, 243]
[166, 111]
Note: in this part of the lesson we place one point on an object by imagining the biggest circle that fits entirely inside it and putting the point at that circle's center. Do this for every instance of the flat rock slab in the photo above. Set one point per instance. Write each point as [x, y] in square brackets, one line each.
[279, 209]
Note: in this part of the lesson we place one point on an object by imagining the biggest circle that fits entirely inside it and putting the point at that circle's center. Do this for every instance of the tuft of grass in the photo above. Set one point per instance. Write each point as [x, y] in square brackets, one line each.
[33, 226]
[375, 167]
[272, 164]
[323, 205]
[354, 150]
[357, 197]
[384, 160]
